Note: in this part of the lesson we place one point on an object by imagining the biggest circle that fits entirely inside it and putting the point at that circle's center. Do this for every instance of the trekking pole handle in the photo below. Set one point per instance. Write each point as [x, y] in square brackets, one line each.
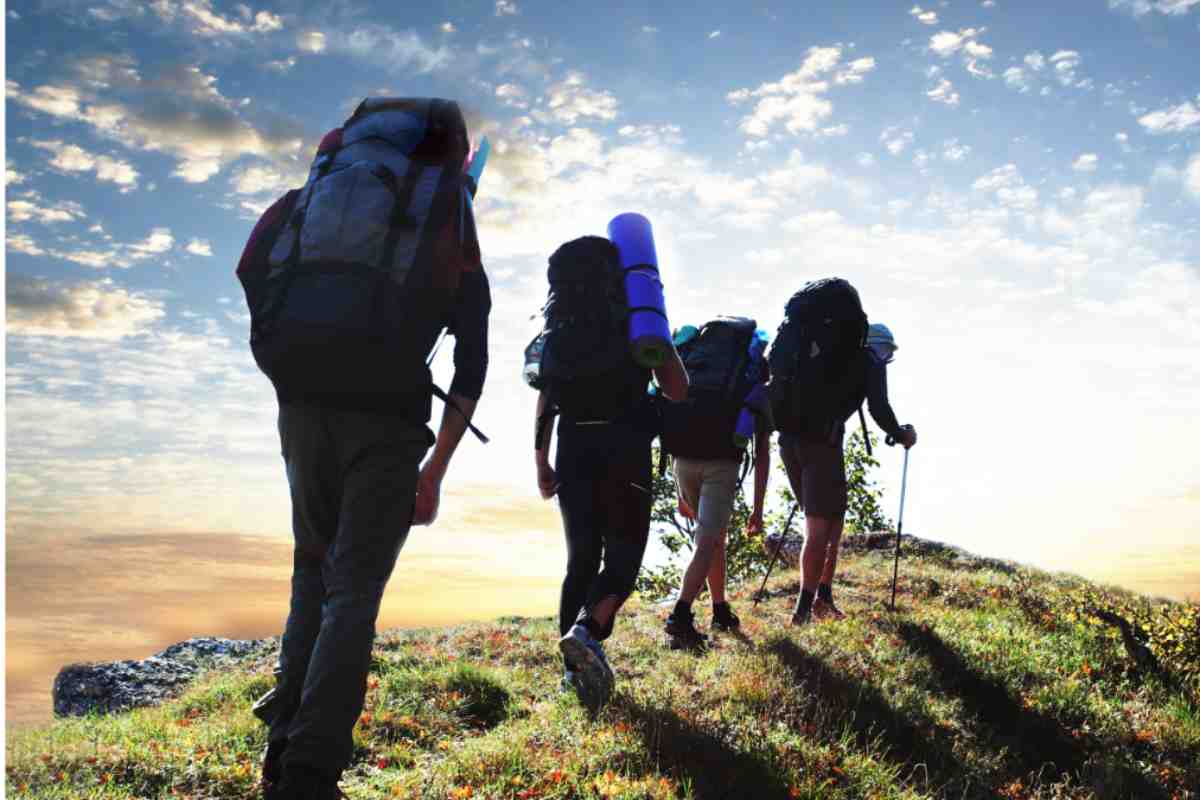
[891, 440]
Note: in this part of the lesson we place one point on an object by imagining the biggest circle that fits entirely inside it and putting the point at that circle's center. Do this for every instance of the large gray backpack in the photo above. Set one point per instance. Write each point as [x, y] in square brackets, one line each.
[372, 245]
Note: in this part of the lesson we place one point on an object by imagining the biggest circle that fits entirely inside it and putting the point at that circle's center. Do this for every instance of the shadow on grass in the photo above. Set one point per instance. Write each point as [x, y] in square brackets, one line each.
[1037, 743]
[691, 754]
[834, 698]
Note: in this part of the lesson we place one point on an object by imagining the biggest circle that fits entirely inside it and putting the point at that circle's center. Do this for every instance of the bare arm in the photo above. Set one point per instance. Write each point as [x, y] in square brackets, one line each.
[672, 378]
[547, 479]
[429, 483]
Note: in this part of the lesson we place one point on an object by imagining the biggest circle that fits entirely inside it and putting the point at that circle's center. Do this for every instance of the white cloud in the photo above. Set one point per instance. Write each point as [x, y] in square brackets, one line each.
[926, 17]
[797, 99]
[73, 158]
[23, 243]
[1167, 7]
[953, 151]
[512, 95]
[570, 100]
[208, 22]
[262, 179]
[311, 41]
[396, 51]
[1035, 61]
[1015, 77]
[1065, 63]
[865, 159]
[28, 208]
[1086, 163]
[714, 34]
[448, 27]
[12, 176]
[1175, 119]
[281, 66]
[90, 309]
[199, 247]
[1008, 187]
[943, 93]
[159, 241]
[179, 112]
[977, 50]
[506, 8]
[895, 139]
[649, 29]
[1191, 176]
[947, 43]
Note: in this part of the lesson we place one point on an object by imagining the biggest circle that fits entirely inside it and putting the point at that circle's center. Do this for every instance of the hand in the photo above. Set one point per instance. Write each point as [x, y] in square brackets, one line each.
[908, 436]
[429, 494]
[547, 481]
[685, 510]
[755, 525]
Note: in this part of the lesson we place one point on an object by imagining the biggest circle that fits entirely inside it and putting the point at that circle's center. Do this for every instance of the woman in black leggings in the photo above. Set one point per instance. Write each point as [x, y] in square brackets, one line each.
[602, 477]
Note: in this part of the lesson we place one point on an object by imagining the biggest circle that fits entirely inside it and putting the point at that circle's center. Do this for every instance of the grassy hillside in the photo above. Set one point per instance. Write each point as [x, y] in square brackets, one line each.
[987, 682]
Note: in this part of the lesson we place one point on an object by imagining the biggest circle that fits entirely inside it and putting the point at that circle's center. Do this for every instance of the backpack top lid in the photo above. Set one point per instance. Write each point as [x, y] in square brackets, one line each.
[428, 129]
[829, 298]
[588, 259]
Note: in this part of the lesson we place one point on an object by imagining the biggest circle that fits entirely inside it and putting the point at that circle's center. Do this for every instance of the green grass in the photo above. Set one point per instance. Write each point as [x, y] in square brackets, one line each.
[986, 683]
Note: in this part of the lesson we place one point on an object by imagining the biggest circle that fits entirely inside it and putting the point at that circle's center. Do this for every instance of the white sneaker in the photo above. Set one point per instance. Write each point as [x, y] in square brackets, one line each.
[593, 676]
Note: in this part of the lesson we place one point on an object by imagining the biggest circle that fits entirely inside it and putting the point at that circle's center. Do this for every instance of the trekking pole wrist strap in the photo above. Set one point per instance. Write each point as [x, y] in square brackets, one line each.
[445, 398]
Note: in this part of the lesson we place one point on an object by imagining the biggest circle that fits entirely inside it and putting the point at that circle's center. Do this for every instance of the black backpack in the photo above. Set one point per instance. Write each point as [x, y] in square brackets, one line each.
[816, 358]
[717, 361]
[585, 365]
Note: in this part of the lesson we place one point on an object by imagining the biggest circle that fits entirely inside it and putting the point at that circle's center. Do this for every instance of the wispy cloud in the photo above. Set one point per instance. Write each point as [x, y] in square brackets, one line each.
[798, 99]
[1173, 119]
[73, 158]
[924, 16]
[1087, 162]
[571, 100]
[199, 247]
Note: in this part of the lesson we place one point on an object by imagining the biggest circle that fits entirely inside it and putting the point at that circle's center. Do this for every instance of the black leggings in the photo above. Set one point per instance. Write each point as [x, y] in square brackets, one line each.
[606, 518]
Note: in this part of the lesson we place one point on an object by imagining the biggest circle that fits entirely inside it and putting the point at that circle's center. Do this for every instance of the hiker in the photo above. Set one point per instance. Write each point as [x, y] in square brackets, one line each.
[350, 281]
[726, 369]
[825, 361]
[602, 473]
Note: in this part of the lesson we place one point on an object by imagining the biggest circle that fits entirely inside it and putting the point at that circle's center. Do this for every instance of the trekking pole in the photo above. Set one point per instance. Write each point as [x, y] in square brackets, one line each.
[786, 527]
[899, 524]
[437, 346]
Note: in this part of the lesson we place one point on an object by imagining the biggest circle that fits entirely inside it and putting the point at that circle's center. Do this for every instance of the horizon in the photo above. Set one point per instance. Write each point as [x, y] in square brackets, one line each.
[1016, 195]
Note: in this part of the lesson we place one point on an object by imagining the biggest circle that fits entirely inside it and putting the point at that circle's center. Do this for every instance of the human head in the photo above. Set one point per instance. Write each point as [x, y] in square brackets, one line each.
[881, 341]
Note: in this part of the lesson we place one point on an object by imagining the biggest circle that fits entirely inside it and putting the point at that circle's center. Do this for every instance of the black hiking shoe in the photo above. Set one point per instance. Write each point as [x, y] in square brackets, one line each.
[681, 627]
[801, 618]
[724, 619]
[272, 769]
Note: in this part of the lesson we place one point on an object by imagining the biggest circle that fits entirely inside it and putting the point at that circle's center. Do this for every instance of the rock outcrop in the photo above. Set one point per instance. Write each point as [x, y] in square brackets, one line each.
[80, 689]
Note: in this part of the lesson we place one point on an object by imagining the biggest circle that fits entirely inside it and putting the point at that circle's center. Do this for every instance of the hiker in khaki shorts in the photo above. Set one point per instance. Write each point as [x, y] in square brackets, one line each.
[707, 436]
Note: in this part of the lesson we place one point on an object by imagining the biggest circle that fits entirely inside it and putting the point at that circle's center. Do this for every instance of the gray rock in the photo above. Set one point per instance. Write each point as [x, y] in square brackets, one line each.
[108, 688]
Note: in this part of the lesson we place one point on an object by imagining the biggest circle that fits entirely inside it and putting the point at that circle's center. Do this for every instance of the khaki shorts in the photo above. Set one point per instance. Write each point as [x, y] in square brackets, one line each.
[708, 487]
[817, 474]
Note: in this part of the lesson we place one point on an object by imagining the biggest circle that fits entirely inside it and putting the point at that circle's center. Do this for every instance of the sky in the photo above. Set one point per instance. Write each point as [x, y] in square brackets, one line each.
[1015, 193]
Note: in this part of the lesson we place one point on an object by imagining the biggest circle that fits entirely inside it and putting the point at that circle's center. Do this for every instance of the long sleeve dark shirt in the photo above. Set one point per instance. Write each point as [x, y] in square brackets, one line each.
[877, 397]
[468, 324]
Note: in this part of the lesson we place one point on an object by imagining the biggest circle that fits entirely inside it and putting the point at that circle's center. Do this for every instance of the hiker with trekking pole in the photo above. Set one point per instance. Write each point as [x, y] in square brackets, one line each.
[710, 438]
[825, 362]
[350, 282]
[605, 334]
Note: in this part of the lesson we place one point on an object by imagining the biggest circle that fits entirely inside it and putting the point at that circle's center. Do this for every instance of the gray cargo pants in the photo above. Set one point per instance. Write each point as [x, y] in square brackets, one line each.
[353, 480]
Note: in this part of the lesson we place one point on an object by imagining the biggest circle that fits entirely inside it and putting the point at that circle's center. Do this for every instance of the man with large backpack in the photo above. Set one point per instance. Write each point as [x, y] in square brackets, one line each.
[821, 373]
[582, 366]
[350, 281]
[707, 437]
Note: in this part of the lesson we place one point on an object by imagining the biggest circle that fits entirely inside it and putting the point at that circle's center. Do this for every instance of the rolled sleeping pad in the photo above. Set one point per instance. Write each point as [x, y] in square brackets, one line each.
[758, 347]
[743, 432]
[477, 163]
[649, 330]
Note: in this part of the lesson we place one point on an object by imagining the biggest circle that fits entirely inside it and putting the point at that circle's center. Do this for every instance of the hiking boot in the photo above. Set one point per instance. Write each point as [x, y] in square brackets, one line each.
[724, 619]
[302, 783]
[681, 627]
[800, 619]
[826, 610]
[593, 676]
